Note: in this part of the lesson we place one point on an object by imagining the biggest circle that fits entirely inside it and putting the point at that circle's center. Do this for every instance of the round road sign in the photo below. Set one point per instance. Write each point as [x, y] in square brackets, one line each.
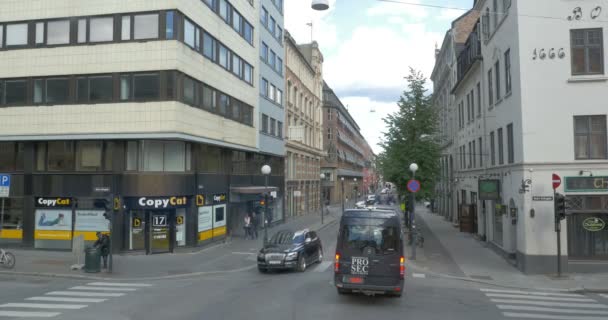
[413, 186]
[557, 181]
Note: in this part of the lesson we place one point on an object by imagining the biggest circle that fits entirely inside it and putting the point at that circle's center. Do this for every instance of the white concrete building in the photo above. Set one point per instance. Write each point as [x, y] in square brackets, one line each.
[542, 80]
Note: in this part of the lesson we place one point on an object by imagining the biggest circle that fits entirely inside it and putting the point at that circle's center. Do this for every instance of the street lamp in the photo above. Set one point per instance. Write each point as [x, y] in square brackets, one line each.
[266, 172]
[320, 5]
[322, 176]
[356, 189]
[342, 181]
[413, 169]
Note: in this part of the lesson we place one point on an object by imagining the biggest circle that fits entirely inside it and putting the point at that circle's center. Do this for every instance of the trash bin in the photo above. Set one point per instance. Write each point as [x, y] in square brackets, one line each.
[92, 260]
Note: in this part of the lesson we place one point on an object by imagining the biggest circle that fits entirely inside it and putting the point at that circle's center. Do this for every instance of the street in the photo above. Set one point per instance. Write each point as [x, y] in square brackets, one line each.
[247, 294]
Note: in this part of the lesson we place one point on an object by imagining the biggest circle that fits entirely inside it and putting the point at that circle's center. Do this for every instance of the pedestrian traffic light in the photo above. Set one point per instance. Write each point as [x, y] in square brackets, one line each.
[560, 206]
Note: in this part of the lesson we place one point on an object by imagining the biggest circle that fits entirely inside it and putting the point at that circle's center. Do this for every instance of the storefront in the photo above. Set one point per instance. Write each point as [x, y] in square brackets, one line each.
[587, 218]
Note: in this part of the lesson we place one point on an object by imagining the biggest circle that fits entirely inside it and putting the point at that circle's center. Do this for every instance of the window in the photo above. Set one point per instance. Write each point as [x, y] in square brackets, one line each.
[480, 152]
[279, 97]
[189, 33]
[1, 36]
[470, 151]
[170, 78]
[236, 21]
[587, 51]
[169, 25]
[125, 33]
[272, 90]
[40, 33]
[209, 46]
[492, 149]
[264, 123]
[82, 30]
[473, 155]
[15, 92]
[146, 86]
[279, 129]
[60, 155]
[224, 104]
[508, 71]
[279, 65]
[224, 57]
[264, 52]
[209, 98]
[236, 110]
[247, 115]
[210, 159]
[90, 156]
[328, 133]
[478, 99]
[272, 59]
[101, 29]
[57, 91]
[264, 88]
[11, 156]
[495, 11]
[279, 34]
[469, 109]
[58, 32]
[590, 137]
[236, 65]
[490, 88]
[385, 239]
[125, 87]
[501, 158]
[247, 31]
[272, 26]
[16, 34]
[225, 10]
[100, 89]
[38, 91]
[189, 91]
[247, 73]
[264, 17]
[497, 70]
[472, 95]
[510, 148]
[273, 126]
[173, 156]
[146, 26]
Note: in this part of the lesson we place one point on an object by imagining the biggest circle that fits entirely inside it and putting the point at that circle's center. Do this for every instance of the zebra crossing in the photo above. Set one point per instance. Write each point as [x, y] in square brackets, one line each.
[522, 304]
[54, 303]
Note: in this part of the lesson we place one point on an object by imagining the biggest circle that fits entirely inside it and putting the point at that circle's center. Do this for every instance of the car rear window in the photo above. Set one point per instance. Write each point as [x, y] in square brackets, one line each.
[384, 239]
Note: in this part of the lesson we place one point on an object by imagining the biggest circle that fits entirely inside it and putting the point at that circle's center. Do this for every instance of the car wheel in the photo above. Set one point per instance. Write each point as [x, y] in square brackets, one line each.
[301, 263]
[343, 291]
[320, 255]
[262, 270]
[395, 294]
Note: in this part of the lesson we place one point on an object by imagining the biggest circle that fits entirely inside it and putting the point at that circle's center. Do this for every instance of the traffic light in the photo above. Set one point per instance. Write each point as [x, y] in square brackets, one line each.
[560, 206]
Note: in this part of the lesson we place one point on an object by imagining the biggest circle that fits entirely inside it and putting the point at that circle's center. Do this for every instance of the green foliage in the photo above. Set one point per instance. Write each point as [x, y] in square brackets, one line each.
[411, 137]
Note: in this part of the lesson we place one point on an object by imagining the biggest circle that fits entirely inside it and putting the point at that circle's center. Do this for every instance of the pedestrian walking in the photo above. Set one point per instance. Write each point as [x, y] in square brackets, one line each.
[103, 244]
[255, 221]
[248, 226]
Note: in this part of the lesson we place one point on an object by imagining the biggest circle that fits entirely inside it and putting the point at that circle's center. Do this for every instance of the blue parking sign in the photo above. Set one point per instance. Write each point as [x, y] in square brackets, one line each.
[5, 185]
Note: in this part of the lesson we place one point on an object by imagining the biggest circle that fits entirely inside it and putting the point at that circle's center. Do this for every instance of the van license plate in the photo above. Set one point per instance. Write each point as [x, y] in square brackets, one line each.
[355, 280]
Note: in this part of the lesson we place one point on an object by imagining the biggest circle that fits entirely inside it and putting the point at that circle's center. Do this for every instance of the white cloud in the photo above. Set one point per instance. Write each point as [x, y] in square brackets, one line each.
[396, 20]
[399, 9]
[298, 14]
[449, 14]
[371, 123]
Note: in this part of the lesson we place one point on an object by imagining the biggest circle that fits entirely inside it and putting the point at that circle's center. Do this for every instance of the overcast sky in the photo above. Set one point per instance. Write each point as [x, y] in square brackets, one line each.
[369, 46]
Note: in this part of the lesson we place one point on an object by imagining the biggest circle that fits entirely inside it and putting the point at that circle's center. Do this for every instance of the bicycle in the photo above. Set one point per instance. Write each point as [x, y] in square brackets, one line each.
[7, 259]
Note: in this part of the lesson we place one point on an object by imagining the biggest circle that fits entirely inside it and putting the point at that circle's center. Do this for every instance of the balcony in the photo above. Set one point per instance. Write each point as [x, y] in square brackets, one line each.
[296, 133]
[470, 54]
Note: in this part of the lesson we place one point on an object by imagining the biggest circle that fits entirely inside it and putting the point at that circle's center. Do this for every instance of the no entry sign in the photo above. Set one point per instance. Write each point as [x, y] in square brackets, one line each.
[413, 186]
[557, 181]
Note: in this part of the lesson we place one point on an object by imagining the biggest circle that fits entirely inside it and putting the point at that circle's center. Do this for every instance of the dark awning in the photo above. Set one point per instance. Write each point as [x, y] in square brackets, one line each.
[253, 189]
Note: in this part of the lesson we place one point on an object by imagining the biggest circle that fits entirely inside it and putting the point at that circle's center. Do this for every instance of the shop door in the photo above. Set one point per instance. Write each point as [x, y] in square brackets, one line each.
[138, 233]
[161, 225]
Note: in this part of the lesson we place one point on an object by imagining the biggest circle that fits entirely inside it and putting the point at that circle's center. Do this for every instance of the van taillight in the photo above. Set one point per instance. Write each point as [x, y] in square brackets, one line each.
[402, 267]
[337, 263]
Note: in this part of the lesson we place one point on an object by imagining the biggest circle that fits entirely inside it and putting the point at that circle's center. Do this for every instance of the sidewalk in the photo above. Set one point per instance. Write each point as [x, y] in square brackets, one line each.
[232, 255]
[477, 262]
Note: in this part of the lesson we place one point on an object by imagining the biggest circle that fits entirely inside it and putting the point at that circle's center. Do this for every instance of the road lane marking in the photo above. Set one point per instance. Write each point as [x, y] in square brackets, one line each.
[604, 295]
[534, 293]
[419, 275]
[118, 284]
[101, 288]
[84, 294]
[244, 253]
[323, 266]
[551, 304]
[63, 299]
[555, 310]
[28, 314]
[549, 316]
[521, 296]
[43, 306]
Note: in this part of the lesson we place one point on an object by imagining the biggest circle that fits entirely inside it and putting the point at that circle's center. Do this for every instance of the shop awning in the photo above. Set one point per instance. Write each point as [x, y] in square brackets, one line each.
[253, 189]
[349, 173]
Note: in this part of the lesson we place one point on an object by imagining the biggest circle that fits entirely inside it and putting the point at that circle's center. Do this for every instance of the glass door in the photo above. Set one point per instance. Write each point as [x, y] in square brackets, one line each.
[137, 230]
[161, 226]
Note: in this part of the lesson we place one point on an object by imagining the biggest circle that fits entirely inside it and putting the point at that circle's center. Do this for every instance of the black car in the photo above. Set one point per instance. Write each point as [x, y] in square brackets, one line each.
[290, 250]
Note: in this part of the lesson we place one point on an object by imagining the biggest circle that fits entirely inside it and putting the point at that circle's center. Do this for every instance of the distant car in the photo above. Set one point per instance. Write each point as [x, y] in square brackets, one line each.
[360, 205]
[371, 197]
[384, 191]
[291, 250]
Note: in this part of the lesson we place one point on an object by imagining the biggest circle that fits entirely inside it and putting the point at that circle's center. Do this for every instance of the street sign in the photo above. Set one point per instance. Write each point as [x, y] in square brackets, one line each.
[557, 181]
[5, 185]
[542, 198]
[101, 189]
[413, 186]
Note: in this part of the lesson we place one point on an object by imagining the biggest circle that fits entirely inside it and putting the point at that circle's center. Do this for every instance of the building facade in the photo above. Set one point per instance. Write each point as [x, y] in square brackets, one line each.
[537, 86]
[349, 156]
[148, 105]
[304, 123]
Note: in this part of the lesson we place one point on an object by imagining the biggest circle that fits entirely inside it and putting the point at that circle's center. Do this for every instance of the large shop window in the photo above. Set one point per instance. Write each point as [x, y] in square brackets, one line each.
[71, 155]
[159, 156]
[60, 155]
[94, 156]
[239, 162]
[590, 137]
[588, 228]
[11, 156]
[13, 218]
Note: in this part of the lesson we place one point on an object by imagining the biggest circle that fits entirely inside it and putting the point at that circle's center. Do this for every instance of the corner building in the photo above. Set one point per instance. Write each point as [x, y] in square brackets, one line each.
[148, 104]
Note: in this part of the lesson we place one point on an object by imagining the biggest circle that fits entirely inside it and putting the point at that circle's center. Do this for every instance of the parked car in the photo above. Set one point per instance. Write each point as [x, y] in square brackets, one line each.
[290, 250]
[369, 253]
[360, 205]
[371, 197]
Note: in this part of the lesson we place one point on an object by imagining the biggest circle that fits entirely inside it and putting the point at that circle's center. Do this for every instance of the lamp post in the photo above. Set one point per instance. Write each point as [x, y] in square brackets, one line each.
[342, 181]
[322, 176]
[413, 169]
[320, 5]
[266, 172]
[356, 189]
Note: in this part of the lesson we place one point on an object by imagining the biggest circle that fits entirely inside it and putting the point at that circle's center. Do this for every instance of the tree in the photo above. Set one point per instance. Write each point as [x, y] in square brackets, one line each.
[411, 137]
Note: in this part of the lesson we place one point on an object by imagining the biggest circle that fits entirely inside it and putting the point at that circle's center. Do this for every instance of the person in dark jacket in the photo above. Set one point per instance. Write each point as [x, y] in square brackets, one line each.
[103, 244]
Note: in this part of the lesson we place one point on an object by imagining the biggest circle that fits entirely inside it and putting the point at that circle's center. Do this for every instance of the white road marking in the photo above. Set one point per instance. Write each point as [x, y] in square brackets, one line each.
[63, 299]
[521, 296]
[549, 316]
[419, 275]
[28, 314]
[604, 295]
[119, 284]
[43, 306]
[244, 253]
[555, 310]
[323, 266]
[551, 304]
[84, 294]
[101, 288]
[534, 293]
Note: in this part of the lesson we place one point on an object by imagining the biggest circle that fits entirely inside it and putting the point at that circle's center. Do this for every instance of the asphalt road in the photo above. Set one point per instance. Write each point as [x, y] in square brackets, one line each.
[248, 294]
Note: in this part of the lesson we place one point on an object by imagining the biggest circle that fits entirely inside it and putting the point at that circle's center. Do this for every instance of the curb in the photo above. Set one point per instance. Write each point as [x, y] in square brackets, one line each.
[507, 286]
